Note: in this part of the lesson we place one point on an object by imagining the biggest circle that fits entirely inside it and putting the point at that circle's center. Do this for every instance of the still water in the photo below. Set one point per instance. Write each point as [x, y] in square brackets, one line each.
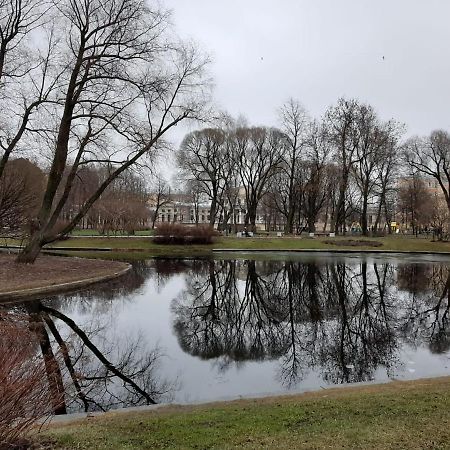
[200, 330]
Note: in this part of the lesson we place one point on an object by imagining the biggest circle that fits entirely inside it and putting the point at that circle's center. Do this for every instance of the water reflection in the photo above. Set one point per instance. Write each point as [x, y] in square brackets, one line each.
[88, 367]
[333, 317]
[232, 326]
[342, 320]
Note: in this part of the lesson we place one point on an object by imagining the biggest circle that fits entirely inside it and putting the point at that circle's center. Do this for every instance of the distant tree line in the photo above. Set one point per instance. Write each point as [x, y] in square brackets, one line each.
[339, 168]
[121, 208]
[333, 166]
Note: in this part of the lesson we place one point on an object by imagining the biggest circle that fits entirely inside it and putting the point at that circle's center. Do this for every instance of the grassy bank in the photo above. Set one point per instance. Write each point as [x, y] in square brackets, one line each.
[400, 415]
[145, 245]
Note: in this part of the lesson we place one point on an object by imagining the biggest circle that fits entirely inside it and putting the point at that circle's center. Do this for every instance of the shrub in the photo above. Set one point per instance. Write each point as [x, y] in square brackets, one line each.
[24, 391]
[177, 234]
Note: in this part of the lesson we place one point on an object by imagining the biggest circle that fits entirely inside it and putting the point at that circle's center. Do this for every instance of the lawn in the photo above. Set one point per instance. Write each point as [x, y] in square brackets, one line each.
[389, 243]
[143, 247]
[399, 415]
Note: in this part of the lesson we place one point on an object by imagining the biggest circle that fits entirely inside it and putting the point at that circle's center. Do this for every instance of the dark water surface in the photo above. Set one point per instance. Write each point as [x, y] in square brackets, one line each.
[199, 330]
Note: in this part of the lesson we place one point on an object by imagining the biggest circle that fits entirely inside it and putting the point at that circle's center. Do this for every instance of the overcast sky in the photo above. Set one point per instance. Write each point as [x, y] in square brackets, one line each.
[318, 50]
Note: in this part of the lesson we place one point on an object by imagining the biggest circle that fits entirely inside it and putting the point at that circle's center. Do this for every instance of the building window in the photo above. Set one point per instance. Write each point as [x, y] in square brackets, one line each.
[163, 218]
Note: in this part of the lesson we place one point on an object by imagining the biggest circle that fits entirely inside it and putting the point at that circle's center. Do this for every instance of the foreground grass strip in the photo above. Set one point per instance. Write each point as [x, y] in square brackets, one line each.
[413, 415]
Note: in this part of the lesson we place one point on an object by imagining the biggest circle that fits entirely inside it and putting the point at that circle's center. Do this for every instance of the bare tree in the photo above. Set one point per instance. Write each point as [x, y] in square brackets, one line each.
[122, 86]
[376, 139]
[24, 68]
[259, 153]
[431, 156]
[202, 157]
[415, 202]
[160, 193]
[343, 135]
[387, 175]
[294, 124]
[316, 189]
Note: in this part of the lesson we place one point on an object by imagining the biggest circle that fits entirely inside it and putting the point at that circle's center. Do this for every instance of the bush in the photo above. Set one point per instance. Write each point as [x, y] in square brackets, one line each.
[176, 234]
[24, 391]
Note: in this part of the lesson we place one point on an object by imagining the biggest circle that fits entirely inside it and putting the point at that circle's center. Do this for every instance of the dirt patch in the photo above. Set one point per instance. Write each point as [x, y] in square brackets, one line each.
[50, 271]
[355, 243]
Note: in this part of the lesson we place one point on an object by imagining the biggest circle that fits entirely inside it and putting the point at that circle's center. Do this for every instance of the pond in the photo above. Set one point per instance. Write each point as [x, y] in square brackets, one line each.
[198, 330]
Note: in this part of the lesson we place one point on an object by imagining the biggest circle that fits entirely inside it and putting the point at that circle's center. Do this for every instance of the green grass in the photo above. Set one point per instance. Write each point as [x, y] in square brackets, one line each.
[408, 415]
[146, 245]
[124, 247]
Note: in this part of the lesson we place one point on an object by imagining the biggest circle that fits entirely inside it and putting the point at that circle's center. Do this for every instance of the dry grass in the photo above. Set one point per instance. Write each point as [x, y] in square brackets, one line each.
[51, 270]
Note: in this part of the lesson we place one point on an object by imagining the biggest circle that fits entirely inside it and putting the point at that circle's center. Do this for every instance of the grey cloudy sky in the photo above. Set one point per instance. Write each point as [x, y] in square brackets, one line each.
[318, 50]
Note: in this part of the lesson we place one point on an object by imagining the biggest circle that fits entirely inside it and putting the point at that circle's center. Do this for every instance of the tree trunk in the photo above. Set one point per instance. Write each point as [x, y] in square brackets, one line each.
[252, 219]
[339, 213]
[289, 229]
[31, 251]
[311, 224]
[365, 231]
[213, 212]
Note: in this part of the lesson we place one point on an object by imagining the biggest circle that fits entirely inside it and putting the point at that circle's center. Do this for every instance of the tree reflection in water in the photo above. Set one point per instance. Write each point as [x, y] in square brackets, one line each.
[336, 319]
[426, 316]
[87, 367]
[342, 319]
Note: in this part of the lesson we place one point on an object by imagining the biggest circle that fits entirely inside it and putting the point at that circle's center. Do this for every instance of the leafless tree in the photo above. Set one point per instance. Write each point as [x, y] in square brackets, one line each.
[316, 189]
[202, 157]
[376, 140]
[387, 175]
[24, 70]
[122, 85]
[160, 194]
[294, 121]
[259, 153]
[415, 202]
[431, 157]
[343, 135]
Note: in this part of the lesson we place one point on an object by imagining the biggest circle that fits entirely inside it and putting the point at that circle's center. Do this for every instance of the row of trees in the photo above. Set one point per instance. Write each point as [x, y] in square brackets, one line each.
[339, 168]
[121, 207]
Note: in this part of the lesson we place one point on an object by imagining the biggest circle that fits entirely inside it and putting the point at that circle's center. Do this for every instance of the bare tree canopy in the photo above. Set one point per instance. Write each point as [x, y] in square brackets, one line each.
[21, 187]
[118, 83]
[431, 157]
